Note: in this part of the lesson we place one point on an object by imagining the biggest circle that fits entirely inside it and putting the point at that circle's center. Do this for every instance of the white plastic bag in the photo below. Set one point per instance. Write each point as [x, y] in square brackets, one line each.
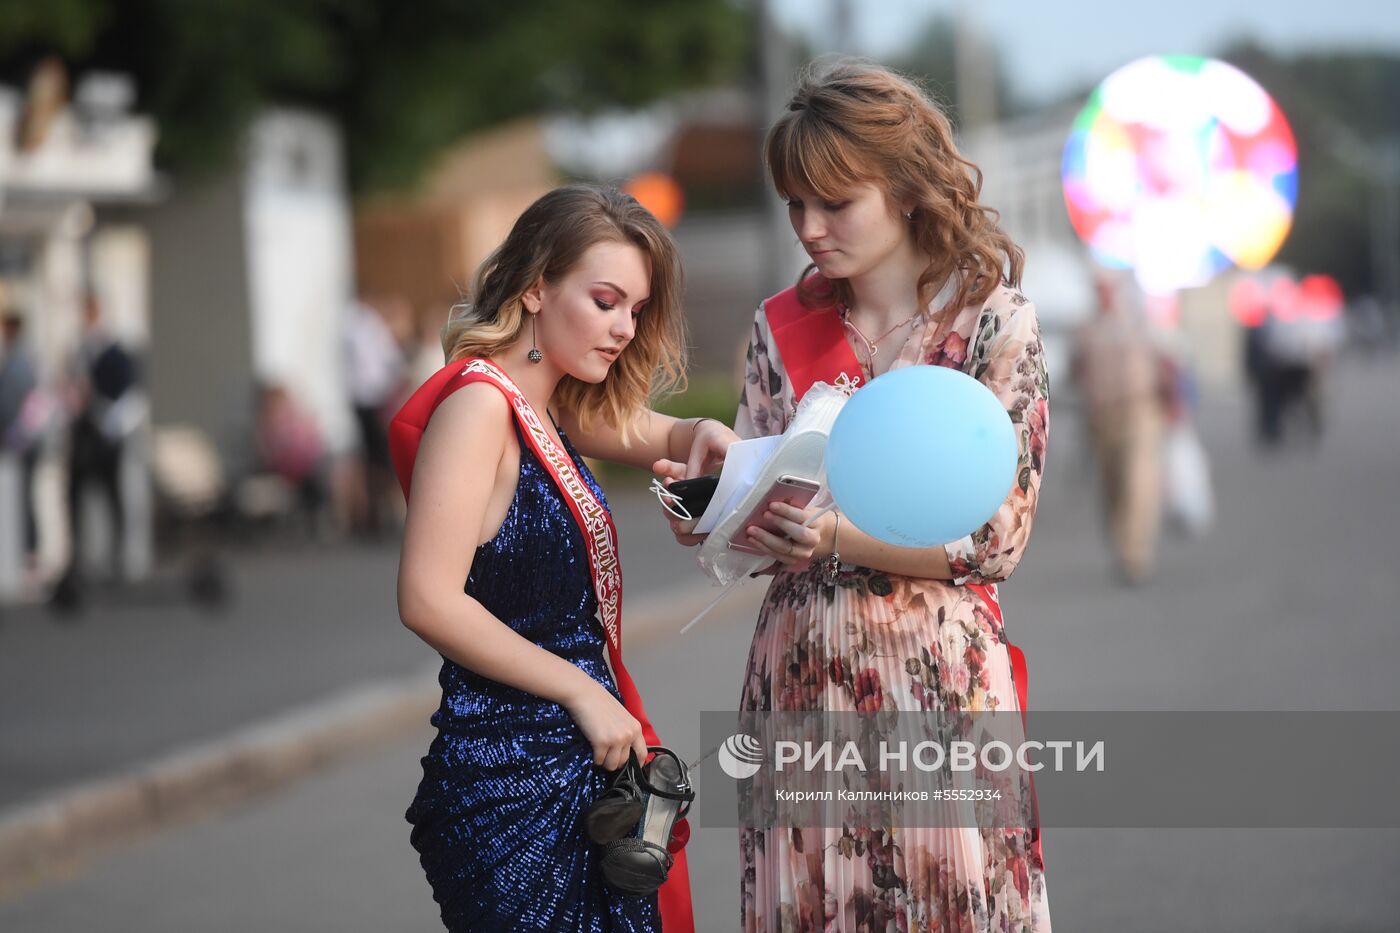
[1190, 498]
[801, 452]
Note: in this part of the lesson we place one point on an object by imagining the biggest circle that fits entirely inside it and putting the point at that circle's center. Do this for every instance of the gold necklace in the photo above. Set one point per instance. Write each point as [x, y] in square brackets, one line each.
[872, 346]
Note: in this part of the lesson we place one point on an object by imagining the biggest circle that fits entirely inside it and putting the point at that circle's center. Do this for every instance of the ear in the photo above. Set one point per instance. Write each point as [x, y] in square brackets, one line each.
[533, 297]
[903, 205]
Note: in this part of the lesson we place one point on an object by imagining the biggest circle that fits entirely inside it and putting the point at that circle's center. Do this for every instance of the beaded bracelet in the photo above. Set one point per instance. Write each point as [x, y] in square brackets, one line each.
[833, 563]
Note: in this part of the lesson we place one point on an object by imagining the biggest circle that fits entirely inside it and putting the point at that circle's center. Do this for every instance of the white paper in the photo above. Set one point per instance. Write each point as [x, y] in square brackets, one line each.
[742, 463]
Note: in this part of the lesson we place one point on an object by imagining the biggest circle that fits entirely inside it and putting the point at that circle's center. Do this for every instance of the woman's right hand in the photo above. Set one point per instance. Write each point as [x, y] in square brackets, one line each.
[608, 727]
[709, 442]
[668, 471]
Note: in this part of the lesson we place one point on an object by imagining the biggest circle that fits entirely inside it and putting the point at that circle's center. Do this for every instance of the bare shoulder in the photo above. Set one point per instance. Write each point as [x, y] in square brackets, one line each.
[476, 404]
[476, 416]
[455, 475]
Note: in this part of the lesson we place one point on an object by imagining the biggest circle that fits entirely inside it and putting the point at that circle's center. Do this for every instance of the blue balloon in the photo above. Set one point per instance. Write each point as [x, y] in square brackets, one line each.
[921, 456]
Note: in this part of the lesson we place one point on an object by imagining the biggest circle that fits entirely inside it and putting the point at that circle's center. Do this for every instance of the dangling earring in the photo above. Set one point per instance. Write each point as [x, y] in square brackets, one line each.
[534, 356]
[908, 215]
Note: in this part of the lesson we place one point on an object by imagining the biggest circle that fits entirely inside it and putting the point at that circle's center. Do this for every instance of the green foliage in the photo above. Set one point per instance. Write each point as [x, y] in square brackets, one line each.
[705, 397]
[404, 79]
[67, 27]
[932, 60]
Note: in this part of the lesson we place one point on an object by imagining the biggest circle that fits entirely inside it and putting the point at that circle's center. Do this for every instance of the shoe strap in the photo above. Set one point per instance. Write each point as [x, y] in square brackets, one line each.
[686, 794]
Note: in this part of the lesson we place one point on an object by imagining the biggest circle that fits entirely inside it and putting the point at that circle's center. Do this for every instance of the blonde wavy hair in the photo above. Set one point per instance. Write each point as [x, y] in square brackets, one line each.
[546, 242]
[850, 123]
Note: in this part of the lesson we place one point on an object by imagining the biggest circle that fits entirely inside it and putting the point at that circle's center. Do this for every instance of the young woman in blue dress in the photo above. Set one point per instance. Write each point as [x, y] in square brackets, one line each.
[573, 322]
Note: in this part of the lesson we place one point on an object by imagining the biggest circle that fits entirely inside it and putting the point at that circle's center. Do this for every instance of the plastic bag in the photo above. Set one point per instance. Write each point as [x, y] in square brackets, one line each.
[1190, 498]
[801, 452]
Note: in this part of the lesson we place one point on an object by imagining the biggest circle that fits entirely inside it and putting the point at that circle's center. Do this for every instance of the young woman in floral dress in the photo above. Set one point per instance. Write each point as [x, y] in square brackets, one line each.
[907, 268]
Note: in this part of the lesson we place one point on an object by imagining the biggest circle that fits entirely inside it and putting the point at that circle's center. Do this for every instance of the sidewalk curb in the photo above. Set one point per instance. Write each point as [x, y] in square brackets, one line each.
[53, 834]
[46, 839]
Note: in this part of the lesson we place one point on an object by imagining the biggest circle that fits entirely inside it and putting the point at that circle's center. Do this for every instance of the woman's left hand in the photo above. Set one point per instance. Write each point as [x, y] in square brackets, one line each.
[796, 543]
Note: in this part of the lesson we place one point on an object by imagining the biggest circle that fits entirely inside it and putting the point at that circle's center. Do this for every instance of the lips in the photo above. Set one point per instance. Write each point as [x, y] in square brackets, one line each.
[610, 354]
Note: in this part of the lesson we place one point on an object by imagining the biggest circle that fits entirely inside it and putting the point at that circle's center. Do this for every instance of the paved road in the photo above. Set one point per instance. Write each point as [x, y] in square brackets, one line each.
[125, 683]
[1288, 605]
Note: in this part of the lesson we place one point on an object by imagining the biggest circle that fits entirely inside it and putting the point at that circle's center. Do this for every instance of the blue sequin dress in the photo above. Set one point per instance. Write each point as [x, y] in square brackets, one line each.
[498, 818]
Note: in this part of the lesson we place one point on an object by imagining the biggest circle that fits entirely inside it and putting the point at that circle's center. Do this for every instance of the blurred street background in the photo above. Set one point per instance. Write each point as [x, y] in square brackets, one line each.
[230, 234]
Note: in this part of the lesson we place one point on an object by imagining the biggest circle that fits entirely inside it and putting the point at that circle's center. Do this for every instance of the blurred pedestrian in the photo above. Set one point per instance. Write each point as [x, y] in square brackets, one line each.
[290, 446]
[1117, 370]
[1258, 370]
[106, 410]
[1280, 373]
[427, 357]
[20, 422]
[376, 374]
[1288, 357]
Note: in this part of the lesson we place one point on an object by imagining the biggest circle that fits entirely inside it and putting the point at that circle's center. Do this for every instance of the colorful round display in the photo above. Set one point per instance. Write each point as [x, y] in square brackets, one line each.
[1179, 167]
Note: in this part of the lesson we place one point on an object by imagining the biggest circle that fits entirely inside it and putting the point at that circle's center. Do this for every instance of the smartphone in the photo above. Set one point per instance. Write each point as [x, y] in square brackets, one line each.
[794, 490]
[695, 494]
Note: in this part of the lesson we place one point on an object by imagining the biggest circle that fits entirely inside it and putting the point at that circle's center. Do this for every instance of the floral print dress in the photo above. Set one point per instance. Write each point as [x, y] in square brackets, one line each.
[877, 641]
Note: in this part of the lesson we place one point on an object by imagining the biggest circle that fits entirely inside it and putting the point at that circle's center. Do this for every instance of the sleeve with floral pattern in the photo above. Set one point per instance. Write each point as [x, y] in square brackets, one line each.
[1013, 367]
[760, 406]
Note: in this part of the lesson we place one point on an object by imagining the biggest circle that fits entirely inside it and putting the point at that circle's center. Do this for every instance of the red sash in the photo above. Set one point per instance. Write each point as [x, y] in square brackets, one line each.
[600, 538]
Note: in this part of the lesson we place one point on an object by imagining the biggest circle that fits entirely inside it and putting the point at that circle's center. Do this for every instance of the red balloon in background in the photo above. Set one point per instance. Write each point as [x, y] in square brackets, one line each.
[1317, 298]
[1283, 299]
[1321, 297]
[1248, 303]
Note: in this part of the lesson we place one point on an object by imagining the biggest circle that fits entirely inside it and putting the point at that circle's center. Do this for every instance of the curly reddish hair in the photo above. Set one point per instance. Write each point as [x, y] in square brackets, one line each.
[851, 123]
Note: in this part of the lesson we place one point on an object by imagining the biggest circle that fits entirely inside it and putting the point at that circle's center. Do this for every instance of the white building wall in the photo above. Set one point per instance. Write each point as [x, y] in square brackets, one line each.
[300, 262]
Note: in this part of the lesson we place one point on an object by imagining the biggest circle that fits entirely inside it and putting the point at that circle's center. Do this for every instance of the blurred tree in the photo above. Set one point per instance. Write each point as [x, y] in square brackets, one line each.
[404, 79]
[932, 58]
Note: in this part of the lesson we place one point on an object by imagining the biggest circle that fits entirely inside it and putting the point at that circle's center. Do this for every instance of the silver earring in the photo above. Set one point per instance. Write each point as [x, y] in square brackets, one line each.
[908, 215]
[534, 356]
